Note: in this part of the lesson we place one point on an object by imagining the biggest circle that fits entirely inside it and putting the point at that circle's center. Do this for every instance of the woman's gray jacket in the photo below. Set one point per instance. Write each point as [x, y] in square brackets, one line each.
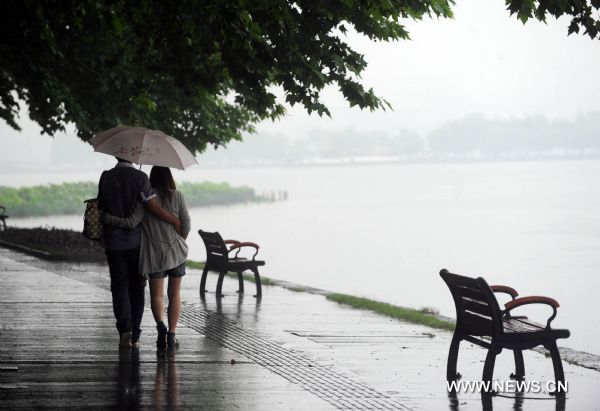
[161, 247]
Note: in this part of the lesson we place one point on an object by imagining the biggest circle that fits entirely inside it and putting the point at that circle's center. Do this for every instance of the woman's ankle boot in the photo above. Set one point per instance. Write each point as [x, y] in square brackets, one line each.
[172, 341]
[161, 341]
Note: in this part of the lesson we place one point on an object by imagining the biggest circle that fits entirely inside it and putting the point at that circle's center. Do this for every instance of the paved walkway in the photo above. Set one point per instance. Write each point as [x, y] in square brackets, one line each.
[288, 351]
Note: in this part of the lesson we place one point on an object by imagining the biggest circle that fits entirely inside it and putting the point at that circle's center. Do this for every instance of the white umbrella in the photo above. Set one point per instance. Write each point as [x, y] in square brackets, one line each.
[143, 146]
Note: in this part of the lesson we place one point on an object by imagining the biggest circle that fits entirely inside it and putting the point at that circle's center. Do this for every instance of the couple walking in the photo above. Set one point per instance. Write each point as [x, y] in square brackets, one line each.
[146, 222]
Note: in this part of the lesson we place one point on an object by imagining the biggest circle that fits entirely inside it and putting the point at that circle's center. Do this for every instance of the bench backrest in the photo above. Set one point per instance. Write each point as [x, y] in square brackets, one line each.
[216, 250]
[477, 310]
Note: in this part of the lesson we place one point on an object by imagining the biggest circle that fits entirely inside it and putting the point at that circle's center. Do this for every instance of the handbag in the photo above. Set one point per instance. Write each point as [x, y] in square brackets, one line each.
[92, 220]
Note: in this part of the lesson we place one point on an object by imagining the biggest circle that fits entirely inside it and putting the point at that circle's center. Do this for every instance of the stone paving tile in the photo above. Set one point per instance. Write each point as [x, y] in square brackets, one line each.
[67, 357]
[403, 362]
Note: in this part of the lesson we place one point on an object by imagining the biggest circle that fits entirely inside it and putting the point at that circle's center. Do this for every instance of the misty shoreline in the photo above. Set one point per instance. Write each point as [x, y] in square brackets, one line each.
[477, 158]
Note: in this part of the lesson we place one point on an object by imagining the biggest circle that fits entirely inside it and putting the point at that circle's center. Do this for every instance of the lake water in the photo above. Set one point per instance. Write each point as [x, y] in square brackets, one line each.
[385, 231]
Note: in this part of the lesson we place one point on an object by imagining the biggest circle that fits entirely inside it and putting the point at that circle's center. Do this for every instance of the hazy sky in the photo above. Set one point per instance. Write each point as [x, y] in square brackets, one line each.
[482, 61]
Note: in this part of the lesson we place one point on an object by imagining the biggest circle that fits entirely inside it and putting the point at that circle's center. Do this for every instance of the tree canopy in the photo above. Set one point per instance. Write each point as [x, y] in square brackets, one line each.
[203, 71]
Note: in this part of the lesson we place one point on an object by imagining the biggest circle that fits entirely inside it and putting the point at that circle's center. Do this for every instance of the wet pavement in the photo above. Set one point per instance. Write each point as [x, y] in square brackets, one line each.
[288, 350]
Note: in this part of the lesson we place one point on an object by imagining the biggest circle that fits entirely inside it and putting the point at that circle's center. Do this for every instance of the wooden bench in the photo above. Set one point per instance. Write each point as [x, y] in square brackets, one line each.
[479, 315]
[3, 216]
[218, 259]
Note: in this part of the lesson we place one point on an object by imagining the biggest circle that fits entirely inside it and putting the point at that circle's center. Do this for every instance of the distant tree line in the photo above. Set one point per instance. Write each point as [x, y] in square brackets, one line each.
[271, 149]
[525, 135]
[67, 198]
[469, 137]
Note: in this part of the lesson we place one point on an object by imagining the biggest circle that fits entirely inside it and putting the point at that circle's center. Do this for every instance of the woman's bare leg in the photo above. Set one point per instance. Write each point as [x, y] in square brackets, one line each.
[174, 302]
[157, 286]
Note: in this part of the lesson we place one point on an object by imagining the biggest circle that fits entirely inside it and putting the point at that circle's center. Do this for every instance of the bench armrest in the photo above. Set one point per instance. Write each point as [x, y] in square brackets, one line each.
[245, 244]
[232, 242]
[504, 289]
[534, 299]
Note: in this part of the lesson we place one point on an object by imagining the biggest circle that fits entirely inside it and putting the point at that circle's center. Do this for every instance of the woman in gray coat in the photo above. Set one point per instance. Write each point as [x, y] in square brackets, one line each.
[163, 252]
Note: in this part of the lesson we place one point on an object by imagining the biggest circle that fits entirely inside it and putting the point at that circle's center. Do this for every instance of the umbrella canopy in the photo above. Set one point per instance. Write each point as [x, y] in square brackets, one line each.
[143, 146]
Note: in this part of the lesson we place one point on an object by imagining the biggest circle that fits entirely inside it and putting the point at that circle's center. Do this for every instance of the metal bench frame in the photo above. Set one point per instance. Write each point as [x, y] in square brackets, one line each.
[218, 259]
[479, 315]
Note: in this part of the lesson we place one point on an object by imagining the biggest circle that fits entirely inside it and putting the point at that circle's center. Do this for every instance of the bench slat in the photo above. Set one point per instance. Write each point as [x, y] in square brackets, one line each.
[468, 292]
[529, 322]
[511, 327]
[514, 325]
[476, 306]
[476, 324]
[460, 280]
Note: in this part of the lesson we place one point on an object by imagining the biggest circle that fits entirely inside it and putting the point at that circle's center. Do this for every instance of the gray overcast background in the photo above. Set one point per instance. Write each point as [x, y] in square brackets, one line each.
[482, 61]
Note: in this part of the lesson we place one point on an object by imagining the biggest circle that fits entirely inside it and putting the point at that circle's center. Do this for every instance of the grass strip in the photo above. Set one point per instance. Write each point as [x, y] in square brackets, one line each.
[194, 264]
[250, 277]
[295, 289]
[423, 316]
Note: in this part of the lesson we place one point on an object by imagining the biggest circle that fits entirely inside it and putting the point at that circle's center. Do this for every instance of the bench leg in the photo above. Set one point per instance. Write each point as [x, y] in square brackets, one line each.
[519, 374]
[257, 280]
[487, 401]
[240, 283]
[451, 374]
[203, 282]
[220, 284]
[559, 374]
[490, 361]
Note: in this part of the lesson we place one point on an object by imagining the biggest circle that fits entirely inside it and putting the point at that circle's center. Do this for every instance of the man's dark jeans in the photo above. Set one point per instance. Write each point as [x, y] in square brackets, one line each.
[127, 287]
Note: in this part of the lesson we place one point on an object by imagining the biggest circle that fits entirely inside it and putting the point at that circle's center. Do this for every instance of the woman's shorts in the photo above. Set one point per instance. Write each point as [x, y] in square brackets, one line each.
[178, 271]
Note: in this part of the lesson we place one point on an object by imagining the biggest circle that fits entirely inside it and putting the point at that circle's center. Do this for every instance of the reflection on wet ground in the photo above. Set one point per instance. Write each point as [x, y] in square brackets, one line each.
[285, 351]
[487, 402]
[166, 383]
[129, 380]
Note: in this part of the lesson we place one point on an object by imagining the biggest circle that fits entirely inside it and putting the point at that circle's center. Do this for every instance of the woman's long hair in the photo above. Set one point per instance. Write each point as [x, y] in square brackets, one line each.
[162, 181]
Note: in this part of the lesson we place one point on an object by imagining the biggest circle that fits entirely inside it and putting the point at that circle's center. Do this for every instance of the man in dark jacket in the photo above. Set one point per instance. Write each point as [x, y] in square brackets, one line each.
[119, 190]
